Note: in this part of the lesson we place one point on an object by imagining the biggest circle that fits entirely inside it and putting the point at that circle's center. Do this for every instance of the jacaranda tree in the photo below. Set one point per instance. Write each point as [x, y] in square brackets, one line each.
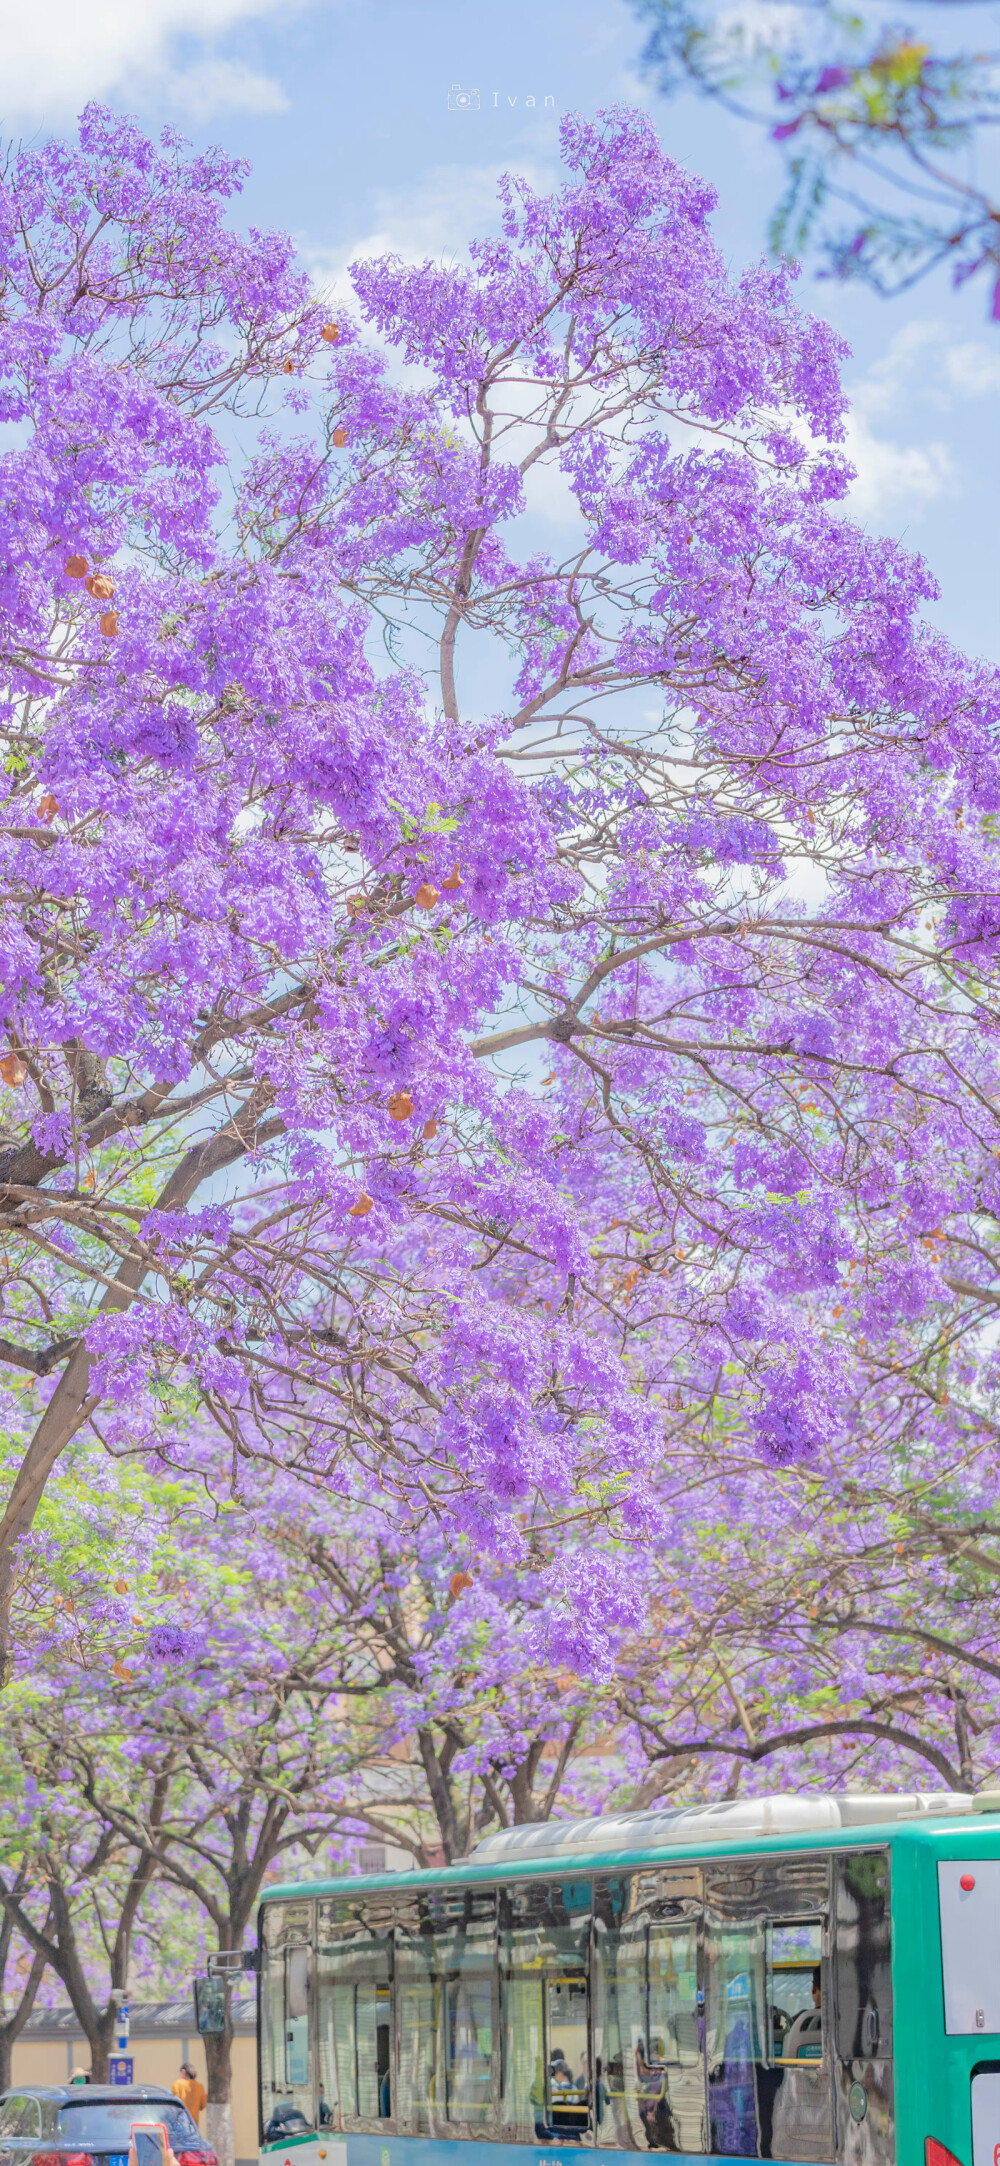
[254, 1694]
[831, 1625]
[336, 791]
[156, 1772]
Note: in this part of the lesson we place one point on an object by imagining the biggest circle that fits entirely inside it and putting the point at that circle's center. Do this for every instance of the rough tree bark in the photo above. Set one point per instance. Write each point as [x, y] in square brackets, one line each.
[71, 1403]
[13, 2018]
[57, 1945]
[219, 2111]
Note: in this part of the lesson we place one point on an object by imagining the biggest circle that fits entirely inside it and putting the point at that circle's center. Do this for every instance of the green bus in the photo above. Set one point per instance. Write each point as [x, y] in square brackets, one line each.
[810, 1978]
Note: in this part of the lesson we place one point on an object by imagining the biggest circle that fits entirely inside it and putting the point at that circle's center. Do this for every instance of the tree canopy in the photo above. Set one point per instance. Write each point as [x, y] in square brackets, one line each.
[290, 904]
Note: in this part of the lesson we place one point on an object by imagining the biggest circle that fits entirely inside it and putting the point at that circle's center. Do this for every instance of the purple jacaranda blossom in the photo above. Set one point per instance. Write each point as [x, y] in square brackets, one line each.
[483, 1067]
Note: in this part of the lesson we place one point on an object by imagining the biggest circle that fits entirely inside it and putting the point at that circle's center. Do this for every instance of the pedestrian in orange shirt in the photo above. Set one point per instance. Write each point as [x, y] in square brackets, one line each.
[190, 2091]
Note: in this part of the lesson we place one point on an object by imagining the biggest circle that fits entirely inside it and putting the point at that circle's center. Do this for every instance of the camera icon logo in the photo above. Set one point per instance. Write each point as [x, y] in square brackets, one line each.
[462, 101]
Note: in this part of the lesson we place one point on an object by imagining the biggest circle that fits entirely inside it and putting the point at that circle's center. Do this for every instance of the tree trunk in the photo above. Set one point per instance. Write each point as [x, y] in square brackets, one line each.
[100, 2037]
[71, 1403]
[441, 1795]
[62, 1953]
[219, 2111]
[12, 2026]
[963, 1739]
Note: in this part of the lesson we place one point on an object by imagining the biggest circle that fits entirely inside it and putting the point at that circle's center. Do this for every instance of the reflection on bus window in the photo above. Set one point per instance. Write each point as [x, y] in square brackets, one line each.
[862, 2024]
[650, 2092]
[736, 2034]
[297, 2018]
[444, 2011]
[544, 1935]
[354, 1992]
[864, 1972]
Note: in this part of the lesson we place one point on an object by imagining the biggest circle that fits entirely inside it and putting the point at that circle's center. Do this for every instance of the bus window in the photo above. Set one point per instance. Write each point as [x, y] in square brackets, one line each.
[297, 2018]
[287, 2106]
[648, 2033]
[736, 2029]
[795, 2093]
[354, 1992]
[864, 1973]
[794, 1992]
[444, 2006]
[544, 1939]
[862, 1993]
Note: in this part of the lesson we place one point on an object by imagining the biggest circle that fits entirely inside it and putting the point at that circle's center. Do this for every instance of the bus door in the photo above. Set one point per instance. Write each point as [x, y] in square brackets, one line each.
[986, 2117]
[286, 2070]
[543, 1944]
[566, 2054]
[354, 2013]
[372, 2034]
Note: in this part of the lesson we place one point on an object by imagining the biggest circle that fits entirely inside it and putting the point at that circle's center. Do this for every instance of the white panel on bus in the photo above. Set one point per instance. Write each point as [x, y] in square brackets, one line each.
[985, 2119]
[970, 1943]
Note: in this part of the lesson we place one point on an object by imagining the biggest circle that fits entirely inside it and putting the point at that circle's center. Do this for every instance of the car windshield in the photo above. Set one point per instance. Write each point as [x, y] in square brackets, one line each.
[109, 2120]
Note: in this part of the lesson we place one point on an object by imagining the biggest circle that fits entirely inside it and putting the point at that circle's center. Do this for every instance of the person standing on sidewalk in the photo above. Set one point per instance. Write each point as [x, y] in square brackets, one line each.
[191, 2092]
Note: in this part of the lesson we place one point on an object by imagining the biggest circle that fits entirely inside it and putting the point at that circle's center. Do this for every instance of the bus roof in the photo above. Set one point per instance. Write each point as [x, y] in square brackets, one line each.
[611, 1842]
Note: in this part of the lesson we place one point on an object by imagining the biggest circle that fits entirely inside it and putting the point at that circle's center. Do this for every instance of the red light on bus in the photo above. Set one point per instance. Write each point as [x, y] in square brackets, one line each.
[938, 2154]
[968, 1882]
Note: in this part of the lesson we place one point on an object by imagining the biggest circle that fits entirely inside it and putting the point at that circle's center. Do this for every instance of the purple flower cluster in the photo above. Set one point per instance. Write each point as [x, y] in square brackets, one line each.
[474, 1107]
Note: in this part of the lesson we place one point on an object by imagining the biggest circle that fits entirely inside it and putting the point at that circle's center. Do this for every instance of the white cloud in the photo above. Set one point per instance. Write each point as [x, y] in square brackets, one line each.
[59, 53]
[924, 371]
[453, 205]
[908, 359]
[924, 363]
[973, 369]
[224, 86]
[889, 473]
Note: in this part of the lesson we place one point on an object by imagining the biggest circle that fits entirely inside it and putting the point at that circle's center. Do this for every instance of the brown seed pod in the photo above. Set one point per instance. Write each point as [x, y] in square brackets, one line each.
[426, 896]
[340, 438]
[430, 1131]
[331, 333]
[454, 880]
[75, 567]
[400, 1106]
[100, 587]
[109, 624]
[362, 1207]
[459, 1581]
[288, 366]
[48, 806]
[13, 1070]
[121, 1586]
[118, 1669]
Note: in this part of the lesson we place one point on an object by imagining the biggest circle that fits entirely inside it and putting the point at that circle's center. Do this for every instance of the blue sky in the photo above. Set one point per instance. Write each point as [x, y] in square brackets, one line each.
[343, 108]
